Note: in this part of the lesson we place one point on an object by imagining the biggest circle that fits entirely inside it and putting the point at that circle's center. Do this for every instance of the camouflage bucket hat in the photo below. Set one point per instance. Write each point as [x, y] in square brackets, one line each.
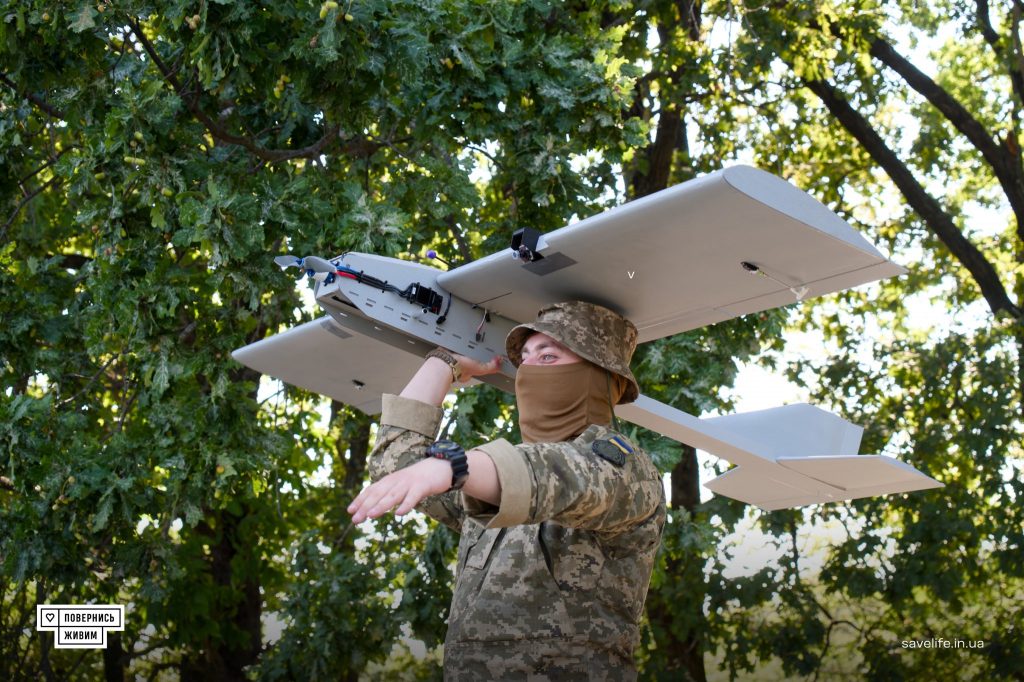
[593, 332]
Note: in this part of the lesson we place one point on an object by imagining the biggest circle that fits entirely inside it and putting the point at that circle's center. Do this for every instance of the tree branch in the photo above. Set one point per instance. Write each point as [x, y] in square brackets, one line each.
[1004, 163]
[46, 643]
[985, 24]
[155, 671]
[73, 261]
[924, 204]
[49, 162]
[142, 653]
[992, 38]
[465, 253]
[691, 12]
[35, 99]
[23, 202]
[1015, 63]
[671, 132]
[362, 148]
[22, 597]
[89, 382]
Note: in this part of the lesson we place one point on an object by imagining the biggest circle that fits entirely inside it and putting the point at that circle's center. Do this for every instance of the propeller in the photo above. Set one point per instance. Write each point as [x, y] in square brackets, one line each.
[309, 263]
[318, 264]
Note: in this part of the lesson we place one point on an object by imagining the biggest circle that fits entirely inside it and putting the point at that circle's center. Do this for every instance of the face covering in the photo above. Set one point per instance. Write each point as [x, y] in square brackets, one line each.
[558, 402]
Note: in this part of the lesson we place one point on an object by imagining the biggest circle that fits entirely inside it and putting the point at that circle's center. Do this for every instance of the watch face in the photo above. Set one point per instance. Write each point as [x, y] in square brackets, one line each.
[445, 446]
[456, 456]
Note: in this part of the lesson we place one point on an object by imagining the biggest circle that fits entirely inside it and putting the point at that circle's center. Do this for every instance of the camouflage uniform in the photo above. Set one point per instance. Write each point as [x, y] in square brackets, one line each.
[550, 585]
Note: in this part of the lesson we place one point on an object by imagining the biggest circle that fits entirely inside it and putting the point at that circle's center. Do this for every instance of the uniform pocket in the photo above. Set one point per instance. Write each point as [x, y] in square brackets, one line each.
[469, 537]
[480, 552]
[506, 592]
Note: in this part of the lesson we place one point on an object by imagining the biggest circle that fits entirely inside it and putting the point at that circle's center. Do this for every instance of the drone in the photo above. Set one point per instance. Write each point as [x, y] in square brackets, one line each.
[730, 243]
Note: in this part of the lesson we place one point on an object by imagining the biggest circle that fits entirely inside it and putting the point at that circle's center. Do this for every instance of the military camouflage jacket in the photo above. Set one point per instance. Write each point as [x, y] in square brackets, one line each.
[551, 583]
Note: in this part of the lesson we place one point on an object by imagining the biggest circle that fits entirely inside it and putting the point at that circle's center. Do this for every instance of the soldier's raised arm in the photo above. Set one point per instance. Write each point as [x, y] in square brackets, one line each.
[403, 473]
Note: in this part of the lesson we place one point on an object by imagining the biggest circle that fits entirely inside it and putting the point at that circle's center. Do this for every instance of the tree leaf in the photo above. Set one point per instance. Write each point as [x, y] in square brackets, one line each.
[84, 19]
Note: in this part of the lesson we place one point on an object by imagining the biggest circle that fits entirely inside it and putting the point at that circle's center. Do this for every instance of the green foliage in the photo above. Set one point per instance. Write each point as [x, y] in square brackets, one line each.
[944, 396]
[337, 595]
[154, 157]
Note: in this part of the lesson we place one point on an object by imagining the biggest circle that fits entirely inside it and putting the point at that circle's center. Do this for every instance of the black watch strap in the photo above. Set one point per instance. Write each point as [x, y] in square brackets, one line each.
[456, 456]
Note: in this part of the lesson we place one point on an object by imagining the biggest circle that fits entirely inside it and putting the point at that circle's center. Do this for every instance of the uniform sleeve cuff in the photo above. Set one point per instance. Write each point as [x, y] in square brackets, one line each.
[516, 483]
[482, 510]
[409, 414]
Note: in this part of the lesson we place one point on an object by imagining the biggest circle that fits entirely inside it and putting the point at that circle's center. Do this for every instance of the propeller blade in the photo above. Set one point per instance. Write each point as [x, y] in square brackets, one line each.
[318, 264]
[288, 260]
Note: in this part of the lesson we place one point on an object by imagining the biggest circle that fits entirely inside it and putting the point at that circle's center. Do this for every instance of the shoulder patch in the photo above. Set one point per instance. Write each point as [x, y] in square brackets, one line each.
[613, 449]
[623, 444]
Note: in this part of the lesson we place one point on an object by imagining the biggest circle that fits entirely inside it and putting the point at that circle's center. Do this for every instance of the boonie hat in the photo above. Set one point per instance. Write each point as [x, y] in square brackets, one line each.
[593, 332]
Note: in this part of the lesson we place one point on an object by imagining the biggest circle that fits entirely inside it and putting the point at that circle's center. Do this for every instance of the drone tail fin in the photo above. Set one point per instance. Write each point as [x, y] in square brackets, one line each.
[798, 481]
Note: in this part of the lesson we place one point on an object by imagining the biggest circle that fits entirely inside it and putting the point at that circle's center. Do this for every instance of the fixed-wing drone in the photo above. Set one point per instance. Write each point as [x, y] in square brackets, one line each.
[733, 242]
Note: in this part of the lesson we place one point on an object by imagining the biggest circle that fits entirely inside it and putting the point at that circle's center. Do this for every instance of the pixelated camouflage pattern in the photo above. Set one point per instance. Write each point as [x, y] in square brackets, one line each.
[546, 660]
[591, 331]
[561, 596]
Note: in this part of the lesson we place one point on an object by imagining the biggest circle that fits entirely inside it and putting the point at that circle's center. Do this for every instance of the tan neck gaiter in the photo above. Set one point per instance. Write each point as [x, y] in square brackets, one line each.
[558, 402]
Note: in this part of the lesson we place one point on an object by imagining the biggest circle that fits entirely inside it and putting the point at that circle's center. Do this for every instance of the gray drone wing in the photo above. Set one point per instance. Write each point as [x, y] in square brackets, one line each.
[733, 242]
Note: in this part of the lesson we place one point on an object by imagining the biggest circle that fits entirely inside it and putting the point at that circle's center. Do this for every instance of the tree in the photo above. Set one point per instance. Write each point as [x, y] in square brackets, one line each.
[825, 91]
[688, 370]
[154, 160]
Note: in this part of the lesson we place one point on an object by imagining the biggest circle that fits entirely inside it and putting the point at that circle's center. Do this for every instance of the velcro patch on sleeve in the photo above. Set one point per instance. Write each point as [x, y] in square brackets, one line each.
[611, 451]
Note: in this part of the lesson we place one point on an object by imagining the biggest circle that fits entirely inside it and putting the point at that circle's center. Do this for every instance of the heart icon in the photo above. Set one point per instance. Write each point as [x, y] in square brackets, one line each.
[49, 617]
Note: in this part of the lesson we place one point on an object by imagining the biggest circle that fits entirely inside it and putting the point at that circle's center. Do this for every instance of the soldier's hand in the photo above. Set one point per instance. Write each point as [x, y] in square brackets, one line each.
[474, 368]
[403, 488]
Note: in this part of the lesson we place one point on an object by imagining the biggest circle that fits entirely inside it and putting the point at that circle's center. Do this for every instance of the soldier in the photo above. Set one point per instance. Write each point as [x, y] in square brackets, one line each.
[559, 534]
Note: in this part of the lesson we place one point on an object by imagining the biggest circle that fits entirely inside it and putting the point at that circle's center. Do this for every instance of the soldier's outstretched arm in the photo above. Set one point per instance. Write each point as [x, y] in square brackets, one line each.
[571, 485]
[428, 482]
[408, 425]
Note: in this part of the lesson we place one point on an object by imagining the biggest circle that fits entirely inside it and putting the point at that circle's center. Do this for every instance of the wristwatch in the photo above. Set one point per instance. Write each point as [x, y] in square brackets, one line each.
[448, 359]
[456, 456]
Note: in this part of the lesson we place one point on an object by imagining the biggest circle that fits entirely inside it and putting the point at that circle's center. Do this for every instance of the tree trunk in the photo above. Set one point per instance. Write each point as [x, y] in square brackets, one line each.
[689, 651]
[685, 650]
[1019, 333]
[226, 659]
[350, 471]
[113, 658]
